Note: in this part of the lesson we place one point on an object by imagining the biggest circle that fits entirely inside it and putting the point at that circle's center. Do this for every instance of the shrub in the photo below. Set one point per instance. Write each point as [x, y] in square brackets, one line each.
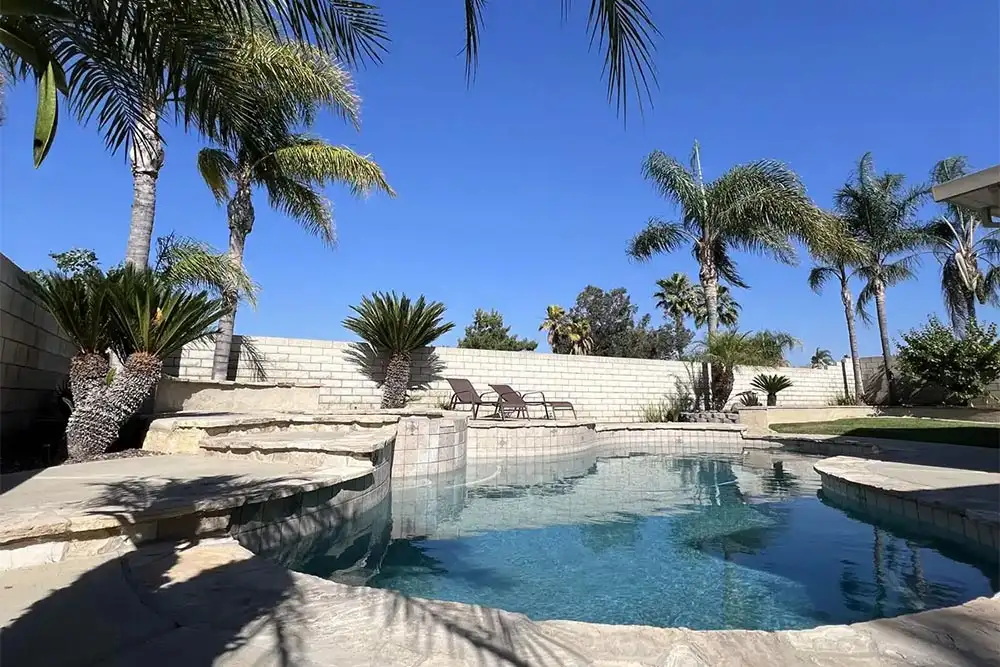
[844, 399]
[962, 366]
[771, 385]
[667, 409]
[749, 399]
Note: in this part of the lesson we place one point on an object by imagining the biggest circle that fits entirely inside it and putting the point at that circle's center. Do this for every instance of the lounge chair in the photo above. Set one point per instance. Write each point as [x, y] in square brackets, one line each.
[517, 403]
[465, 394]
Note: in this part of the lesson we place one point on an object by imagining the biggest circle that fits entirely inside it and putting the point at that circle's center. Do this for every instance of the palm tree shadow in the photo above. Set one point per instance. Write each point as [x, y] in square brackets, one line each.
[426, 366]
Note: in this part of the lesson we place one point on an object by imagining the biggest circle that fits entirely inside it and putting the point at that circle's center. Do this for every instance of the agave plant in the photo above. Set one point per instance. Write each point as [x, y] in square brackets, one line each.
[771, 385]
[393, 326]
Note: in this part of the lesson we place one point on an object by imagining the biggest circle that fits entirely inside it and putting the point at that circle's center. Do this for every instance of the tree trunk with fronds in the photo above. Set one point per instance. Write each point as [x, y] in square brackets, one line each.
[147, 159]
[241, 218]
[88, 371]
[397, 379]
[94, 425]
[970, 306]
[852, 335]
[883, 330]
[723, 379]
[679, 335]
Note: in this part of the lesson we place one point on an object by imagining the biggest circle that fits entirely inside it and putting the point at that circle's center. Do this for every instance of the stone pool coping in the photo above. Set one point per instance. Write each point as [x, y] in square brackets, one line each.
[73, 502]
[215, 601]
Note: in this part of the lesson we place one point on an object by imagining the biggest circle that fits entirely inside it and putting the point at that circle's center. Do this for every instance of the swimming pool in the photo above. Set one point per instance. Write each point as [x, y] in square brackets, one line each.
[697, 541]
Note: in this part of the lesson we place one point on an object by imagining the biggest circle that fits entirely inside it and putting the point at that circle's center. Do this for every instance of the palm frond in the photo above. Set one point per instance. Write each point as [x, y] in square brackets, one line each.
[217, 168]
[394, 323]
[150, 315]
[309, 159]
[865, 298]
[658, 236]
[818, 277]
[192, 264]
[304, 204]
[79, 304]
[675, 183]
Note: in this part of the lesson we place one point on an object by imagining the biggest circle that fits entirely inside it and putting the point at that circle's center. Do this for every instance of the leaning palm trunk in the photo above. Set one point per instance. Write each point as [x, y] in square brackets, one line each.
[95, 424]
[397, 379]
[241, 219]
[852, 335]
[147, 159]
[883, 330]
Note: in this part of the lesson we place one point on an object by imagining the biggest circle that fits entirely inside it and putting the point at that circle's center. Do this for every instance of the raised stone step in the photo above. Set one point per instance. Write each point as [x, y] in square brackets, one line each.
[363, 448]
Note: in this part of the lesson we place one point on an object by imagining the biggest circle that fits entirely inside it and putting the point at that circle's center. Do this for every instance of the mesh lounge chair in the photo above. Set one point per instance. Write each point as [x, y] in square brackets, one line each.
[465, 394]
[517, 404]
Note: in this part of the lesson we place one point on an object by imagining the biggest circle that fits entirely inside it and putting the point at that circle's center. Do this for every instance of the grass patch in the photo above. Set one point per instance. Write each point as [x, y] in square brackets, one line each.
[903, 428]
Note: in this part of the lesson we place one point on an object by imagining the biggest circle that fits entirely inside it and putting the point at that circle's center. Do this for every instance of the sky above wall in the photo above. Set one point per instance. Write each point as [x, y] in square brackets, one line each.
[518, 191]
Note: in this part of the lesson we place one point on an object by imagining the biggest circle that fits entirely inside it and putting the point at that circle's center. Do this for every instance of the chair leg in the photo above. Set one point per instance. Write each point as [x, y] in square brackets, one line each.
[475, 411]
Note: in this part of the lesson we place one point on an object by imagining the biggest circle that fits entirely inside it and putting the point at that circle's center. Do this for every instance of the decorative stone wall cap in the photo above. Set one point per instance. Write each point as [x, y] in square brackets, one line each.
[241, 384]
[174, 421]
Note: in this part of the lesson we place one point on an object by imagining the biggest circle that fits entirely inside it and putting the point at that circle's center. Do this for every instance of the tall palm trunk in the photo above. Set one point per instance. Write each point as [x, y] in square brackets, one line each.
[94, 425]
[883, 330]
[709, 279]
[397, 379]
[147, 159]
[852, 335]
[241, 218]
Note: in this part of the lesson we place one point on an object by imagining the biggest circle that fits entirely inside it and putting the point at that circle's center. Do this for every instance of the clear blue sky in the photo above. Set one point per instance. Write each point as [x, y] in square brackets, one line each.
[520, 190]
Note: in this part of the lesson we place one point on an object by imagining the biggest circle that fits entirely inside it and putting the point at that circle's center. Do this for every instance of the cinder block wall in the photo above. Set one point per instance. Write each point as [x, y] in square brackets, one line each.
[34, 353]
[602, 388]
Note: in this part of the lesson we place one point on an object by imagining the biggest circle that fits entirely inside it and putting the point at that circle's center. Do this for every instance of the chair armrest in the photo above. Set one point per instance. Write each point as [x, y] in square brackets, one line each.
[529, 393]
[482, 396]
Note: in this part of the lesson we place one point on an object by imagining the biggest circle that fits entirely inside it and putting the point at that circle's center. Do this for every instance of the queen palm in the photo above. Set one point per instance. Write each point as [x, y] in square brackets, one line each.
[880, 211]
[291, 168]
[393, 327]
[836, 251]
[676, 298]
[755, 207]
[970, 262]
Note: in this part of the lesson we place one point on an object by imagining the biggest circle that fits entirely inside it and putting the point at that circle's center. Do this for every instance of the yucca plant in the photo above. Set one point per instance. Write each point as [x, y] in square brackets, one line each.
[394, 326]
[771, 385]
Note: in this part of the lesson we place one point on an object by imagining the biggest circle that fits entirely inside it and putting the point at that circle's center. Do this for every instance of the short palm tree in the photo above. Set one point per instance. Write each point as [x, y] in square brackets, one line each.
[727, 307]
[290, 167]
[771, 385]
[725, 351]
[676, 298]
[756, 207]
[836, 252]
[393, 327]
[821, 358]
[880, 212]
[140, 315]
[558, 326]
[970, 261]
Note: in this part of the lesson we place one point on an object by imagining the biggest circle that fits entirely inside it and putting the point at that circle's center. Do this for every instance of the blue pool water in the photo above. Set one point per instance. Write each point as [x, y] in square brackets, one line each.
[704, 543]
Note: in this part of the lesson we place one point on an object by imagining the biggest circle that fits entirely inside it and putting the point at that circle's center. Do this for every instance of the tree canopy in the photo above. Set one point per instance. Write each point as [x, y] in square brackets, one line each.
[617, 331]
[488, 332]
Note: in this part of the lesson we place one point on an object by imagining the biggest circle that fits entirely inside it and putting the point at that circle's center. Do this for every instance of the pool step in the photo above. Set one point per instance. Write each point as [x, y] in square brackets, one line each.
[359, 449]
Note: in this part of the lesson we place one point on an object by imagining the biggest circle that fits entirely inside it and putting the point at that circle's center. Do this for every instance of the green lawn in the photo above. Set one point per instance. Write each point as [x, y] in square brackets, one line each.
[903, 428]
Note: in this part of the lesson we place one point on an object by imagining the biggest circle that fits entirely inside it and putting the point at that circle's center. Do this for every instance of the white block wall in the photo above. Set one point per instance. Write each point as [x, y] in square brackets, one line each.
[601, 388]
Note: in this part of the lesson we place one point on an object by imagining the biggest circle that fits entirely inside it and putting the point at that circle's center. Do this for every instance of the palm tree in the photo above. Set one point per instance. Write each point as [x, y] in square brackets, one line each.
[559, 328]
[836, 251]
[755, 207]
[121, 51]
[728, 349]
[821, 358]
[394, 327]
[580, 338]
[879, 211]
[676, 298]
[290, 167]
[728, 309]
[955, 241]
[143, 318]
